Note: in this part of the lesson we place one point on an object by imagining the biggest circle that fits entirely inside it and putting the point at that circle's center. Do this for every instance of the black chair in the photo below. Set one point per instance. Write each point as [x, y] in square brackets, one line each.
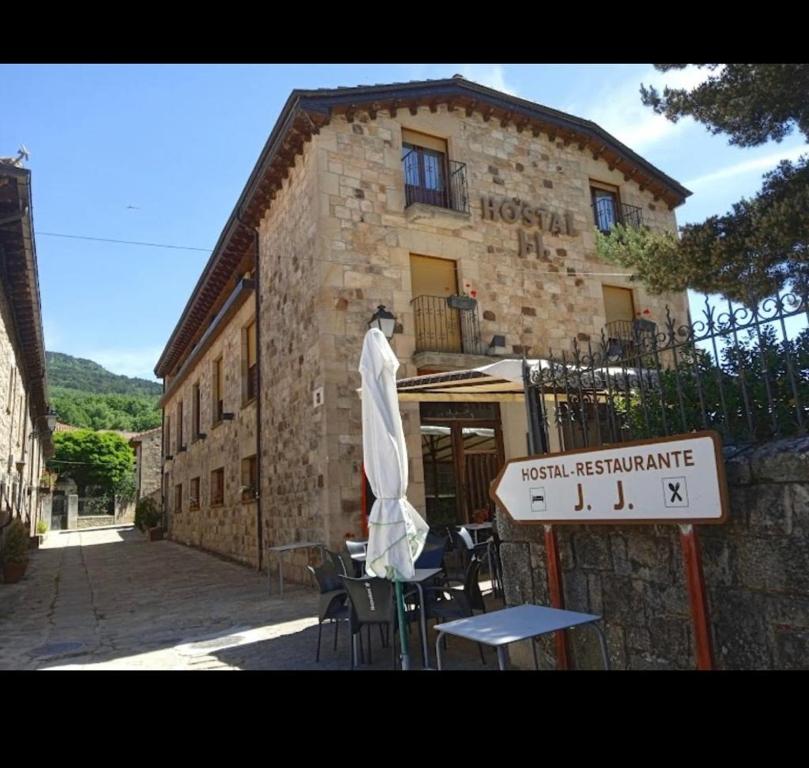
[371, 602]
[356, 548]
[497, 565]
[447, 603]
[332, 603]
[341, 562]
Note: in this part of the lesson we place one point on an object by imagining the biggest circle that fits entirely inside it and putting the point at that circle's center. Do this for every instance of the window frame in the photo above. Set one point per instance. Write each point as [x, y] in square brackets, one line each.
[218, 500]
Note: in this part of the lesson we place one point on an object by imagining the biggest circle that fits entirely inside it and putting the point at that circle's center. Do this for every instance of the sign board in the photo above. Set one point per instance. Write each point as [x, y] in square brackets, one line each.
[675, 479]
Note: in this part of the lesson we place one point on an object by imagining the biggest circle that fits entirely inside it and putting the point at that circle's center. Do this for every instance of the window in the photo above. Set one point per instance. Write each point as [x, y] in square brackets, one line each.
[195, 405]
[249, 478]
[178, 498]
[606, 212]
[424, 161]
[193, 499]
[12, 380]
[218, 486]
[180, 445]
[218, 390]
[167, 438]
[250, 368]
[619, 310]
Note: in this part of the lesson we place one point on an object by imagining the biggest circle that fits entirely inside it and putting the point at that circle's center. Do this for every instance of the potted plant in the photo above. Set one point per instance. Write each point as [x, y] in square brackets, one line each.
[148, 519]
[15, 552]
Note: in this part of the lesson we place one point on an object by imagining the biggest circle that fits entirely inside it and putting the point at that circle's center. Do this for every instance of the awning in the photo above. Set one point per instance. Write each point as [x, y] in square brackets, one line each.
[494, 383]
[503, 382]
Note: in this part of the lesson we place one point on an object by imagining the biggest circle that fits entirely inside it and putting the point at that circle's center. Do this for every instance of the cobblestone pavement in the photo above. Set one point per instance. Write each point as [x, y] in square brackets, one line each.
[110, 599]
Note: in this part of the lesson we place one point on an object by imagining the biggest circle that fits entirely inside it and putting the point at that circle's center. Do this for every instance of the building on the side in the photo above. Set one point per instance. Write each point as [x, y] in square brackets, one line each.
[25, 420]
[148, 463]
[467, 213]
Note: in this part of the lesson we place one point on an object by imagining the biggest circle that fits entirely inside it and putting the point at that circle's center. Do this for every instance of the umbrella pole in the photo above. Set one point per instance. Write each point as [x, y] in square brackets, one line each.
[405, 655]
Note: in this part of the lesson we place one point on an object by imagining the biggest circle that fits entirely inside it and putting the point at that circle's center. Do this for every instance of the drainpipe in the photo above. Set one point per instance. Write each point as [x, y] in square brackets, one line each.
[259, 495]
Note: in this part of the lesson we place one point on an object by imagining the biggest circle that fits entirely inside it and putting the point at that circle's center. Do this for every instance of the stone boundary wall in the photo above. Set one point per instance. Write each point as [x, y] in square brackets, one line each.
[756, 570]
[94, 521]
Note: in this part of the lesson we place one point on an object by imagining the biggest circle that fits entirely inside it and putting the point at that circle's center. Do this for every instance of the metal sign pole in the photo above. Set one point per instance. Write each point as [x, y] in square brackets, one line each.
[557, 594]
[697, 598]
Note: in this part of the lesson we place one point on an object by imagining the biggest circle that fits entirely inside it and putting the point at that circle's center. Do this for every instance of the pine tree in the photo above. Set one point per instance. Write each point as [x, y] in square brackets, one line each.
[761, 245]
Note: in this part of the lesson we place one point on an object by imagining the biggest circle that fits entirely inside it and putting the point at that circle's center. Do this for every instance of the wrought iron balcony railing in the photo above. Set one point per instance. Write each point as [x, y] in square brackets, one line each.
[432, 179]
[441, 327]
[627, 337]
[607, 213]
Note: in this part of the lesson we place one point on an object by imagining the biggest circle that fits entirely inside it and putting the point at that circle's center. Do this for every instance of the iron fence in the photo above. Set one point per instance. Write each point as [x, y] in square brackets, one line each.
[739, 370]
[432, 179]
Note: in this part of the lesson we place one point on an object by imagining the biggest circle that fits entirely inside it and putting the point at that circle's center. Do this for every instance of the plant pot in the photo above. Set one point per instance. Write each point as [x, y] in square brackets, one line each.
[462, 302]
[155, 534]
[13, 572]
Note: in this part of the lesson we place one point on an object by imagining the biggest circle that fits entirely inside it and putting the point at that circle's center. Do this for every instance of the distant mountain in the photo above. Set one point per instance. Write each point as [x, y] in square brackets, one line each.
[85, 394]
[87, 376]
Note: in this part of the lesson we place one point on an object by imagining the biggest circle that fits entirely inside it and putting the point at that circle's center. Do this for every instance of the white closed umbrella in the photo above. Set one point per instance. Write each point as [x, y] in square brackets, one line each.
[396, 531]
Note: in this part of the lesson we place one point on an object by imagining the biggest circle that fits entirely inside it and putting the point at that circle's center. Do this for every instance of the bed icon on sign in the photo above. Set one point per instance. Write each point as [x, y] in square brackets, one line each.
[538, 500]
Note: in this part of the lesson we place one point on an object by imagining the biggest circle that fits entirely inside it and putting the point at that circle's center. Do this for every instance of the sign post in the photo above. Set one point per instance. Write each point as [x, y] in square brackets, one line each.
[678, 479]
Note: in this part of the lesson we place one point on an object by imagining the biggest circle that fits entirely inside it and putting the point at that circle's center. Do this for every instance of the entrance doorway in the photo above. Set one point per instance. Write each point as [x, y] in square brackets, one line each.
[462, 452]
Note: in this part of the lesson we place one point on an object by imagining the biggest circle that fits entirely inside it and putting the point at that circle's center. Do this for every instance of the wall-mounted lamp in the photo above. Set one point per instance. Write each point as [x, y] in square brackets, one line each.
[384, 320]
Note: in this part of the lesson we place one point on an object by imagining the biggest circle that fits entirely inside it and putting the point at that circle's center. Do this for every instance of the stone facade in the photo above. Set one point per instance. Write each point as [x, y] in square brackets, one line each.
[148, 461]
[21, 461]
[756, 569]
[335, 241]
[230, 527]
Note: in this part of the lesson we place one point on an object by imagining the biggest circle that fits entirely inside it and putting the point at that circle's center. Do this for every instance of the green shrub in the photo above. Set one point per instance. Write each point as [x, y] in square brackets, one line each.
[42, 527]
[147, 514]
[15, 543]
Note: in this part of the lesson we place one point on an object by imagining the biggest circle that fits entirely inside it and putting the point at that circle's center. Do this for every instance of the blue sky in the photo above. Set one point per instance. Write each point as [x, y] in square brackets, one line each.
[160, 153]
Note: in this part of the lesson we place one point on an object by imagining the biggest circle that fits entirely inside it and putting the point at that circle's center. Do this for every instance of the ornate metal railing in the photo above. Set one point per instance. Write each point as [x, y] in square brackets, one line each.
[441, 327]
[440, 183]
[739, 370]
[607, 213]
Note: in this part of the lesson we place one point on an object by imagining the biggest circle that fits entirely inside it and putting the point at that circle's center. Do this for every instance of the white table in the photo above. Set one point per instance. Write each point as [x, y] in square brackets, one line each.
[523, 622]
[288, 548]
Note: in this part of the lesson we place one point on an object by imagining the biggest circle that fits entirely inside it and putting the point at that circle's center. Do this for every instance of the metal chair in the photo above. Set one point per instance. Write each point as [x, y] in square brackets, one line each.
[371, 603]
[356, 548]
[332, 604]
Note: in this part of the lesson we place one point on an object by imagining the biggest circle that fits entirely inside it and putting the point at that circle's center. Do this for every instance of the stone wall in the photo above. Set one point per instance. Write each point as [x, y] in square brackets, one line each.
[366, 236]
[149, 461]
[17, 443]
[229, 529]
[756, 570]
[293, 334]
[95, 521]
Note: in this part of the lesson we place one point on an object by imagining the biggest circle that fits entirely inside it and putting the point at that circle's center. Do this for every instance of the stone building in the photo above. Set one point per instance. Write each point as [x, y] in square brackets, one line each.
[471, 216]
[25, 433]
[148, 463]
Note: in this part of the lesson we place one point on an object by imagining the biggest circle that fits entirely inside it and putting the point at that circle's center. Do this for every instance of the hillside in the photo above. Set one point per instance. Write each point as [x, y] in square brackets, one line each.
[85, 394]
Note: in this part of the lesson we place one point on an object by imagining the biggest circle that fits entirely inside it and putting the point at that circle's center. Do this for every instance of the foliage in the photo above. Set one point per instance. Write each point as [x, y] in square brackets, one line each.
[129, 413]
[85, 375]
[42, 527]
[15, 543]
[760, 246]
[642, 250]
[86, 395]
[736, 385]
[147, 514]
[100, 459]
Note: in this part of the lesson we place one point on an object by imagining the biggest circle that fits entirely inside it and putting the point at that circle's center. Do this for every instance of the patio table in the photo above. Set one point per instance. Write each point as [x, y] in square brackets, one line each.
[509, 625]
[288, 548]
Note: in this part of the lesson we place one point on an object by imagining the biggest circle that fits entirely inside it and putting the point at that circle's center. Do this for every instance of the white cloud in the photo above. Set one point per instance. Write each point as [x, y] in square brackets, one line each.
[760, 164]
[138, 362]
[619, 110]
[490, 75]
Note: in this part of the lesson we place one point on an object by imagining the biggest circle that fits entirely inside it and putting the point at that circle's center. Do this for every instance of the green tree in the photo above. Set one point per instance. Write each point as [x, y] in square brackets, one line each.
[100, 460]
[761, 245]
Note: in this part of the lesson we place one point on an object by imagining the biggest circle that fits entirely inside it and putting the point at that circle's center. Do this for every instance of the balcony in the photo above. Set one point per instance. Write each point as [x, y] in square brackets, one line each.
[432, 179]
[607, 213]
[447, 324]
[629, 337]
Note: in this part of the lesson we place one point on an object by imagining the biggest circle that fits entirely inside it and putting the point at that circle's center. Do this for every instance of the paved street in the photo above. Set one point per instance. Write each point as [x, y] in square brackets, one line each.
[110, 599]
